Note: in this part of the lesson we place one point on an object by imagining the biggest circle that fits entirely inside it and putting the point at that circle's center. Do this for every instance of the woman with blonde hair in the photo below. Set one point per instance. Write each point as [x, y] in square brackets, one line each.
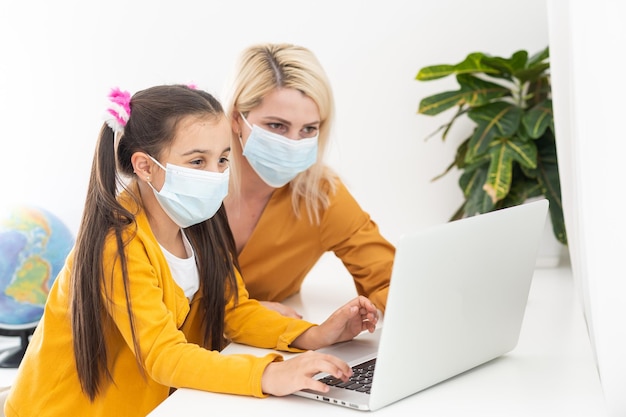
[287, 207]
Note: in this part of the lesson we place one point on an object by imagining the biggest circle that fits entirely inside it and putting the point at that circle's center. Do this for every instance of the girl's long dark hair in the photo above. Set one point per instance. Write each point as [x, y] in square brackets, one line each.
[155, 113]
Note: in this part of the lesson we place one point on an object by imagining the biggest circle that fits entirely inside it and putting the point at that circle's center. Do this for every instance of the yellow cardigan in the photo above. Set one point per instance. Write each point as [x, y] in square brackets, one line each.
[168, 328]
[283, 248]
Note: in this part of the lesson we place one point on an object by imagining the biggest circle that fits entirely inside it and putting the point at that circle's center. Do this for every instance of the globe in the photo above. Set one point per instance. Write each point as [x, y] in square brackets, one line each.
[33, 246]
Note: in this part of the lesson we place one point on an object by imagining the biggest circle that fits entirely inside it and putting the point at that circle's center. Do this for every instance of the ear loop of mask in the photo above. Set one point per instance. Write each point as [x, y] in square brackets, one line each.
[160, 166]
[249, 127]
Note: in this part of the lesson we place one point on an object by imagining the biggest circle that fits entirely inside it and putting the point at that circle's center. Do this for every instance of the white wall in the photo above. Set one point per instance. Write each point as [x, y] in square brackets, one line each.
[587, 40]
[58, 60]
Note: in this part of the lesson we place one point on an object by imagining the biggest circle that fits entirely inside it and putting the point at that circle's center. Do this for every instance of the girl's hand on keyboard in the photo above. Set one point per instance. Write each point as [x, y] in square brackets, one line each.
[287, 377]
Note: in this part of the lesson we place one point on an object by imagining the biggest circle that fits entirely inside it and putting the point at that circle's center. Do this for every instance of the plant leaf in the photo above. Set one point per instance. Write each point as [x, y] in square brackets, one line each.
[503, 152]
[480, 91]
[522, 189]
[473, 92]
[548, 178]
[538, 119]
[493, 119]
[507, 66]
[538, 57]
[476, 200]
[471, 64]
[437, 103]
[538, 90]
[524, 152]
[476, 162]
[459, 213]
[434, 72]
[499, 175]
[536, 66]
[530, 74]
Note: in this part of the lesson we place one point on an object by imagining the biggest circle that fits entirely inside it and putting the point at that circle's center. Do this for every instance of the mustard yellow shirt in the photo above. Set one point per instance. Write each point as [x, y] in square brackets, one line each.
[283, 248]
[168, 329]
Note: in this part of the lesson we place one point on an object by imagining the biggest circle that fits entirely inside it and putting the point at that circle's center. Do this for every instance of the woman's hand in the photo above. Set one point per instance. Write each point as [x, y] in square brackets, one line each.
[282, 309]
[287, 377]
[344, 324]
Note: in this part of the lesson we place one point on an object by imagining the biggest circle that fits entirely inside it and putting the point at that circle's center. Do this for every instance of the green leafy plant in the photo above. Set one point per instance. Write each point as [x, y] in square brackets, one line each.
[510, 156]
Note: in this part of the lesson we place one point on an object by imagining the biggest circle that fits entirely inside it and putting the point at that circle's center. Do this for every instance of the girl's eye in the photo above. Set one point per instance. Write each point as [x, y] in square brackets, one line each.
[197, 162]
[224, 160]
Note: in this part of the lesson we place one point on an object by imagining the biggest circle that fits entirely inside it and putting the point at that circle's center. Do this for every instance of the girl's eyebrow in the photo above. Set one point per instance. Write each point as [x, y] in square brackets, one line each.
[203, 151]
[192, 151]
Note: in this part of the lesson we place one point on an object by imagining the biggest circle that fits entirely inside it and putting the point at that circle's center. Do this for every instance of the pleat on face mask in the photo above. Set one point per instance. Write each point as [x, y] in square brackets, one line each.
[191, 196]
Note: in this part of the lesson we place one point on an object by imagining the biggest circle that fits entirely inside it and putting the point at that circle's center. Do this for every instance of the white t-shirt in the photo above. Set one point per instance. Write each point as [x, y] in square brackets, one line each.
[184, 270]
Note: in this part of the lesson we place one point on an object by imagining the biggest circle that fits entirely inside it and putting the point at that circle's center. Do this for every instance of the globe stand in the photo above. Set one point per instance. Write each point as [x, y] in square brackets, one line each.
[12, 357]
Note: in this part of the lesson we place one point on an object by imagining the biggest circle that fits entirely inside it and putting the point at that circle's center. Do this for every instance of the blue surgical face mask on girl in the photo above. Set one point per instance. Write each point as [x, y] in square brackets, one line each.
[191, 196]
[275, 158]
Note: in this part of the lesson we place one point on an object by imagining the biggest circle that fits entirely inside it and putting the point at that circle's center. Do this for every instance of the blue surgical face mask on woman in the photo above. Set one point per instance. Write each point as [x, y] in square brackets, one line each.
[275, 158]
[191, 196]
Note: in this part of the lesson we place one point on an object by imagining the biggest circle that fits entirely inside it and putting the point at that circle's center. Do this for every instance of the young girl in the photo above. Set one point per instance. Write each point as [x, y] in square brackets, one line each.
[287, 207]
[151, 291]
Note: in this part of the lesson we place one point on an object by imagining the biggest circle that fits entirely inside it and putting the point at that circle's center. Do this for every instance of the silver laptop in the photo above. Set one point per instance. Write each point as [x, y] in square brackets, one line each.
[456, 300]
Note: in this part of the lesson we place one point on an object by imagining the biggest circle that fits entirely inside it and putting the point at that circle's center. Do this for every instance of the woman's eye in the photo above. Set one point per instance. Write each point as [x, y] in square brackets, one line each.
[224, 160]
[197, 162]
[279, 127]
[309, 131]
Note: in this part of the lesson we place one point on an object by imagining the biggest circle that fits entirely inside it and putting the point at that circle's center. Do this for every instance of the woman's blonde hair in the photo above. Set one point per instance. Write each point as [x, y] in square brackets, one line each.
[264, 68]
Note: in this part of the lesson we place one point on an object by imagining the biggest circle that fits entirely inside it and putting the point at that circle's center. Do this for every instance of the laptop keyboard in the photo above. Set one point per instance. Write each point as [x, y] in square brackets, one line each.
[360, 381]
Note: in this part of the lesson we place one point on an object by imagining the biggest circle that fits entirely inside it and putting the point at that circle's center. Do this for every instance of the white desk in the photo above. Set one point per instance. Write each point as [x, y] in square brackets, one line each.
[550, 373]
